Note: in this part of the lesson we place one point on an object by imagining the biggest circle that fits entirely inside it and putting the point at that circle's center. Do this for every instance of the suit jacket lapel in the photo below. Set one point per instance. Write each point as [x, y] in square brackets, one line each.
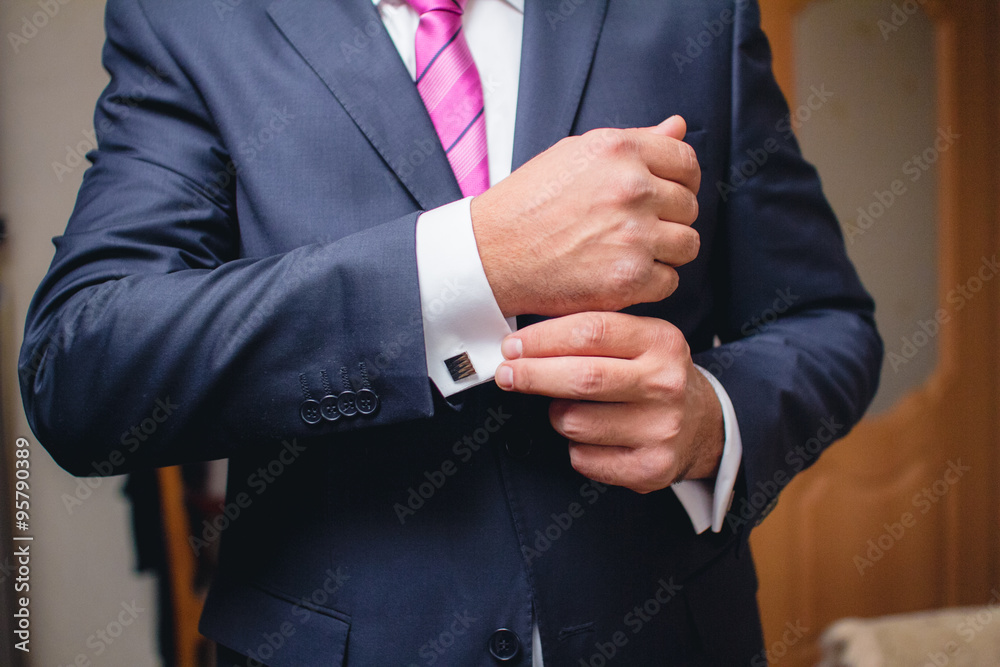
[560, 38]
[347, 46]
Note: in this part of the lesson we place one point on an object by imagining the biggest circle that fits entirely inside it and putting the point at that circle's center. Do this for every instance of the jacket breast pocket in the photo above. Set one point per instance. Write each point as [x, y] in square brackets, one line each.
[273, 629]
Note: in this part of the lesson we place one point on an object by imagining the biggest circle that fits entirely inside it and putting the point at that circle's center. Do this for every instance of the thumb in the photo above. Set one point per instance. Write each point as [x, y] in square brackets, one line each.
[674, 127]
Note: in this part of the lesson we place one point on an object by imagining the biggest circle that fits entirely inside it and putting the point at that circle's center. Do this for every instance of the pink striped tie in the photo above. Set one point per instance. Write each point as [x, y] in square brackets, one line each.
[449, 85]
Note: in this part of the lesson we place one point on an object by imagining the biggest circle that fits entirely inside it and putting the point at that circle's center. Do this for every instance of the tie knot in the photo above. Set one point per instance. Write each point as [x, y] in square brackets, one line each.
[450, 6]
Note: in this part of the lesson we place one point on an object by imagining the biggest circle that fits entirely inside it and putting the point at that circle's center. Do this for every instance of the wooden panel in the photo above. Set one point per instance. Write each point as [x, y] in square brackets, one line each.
[861, 488]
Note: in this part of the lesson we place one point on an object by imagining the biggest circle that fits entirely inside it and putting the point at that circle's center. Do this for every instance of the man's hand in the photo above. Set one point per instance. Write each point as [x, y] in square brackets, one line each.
[636, 411]
[596, 222]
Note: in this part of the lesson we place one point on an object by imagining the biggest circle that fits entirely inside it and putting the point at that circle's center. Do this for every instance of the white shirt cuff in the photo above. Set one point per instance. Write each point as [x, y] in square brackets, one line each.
[460, 313]
[706, 505]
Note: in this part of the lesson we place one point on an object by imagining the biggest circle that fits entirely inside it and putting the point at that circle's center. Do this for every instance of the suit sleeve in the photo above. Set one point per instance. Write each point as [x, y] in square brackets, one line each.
[152, 343]
[801, 356]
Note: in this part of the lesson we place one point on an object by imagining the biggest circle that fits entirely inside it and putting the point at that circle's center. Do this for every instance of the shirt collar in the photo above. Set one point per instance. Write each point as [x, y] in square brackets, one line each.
[516, 4]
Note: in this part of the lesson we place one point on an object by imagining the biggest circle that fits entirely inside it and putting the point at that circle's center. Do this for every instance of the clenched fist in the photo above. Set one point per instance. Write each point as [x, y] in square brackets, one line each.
[596, 222]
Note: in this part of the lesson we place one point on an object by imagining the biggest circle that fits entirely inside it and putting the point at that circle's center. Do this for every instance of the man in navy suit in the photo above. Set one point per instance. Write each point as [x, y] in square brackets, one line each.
[514, 394]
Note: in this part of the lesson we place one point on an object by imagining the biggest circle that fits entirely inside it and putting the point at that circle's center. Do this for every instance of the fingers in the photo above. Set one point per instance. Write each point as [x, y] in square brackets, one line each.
[663, 155]
[659, 284]
[670, 159]
[622, 425]
[674, 127]
[619, 444]
[581, 378]
[592, 334]
[674, 244]
[641, 470]
[673, 202]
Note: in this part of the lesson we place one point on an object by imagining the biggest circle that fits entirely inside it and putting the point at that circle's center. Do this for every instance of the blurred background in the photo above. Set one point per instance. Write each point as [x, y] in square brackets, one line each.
[896, 102]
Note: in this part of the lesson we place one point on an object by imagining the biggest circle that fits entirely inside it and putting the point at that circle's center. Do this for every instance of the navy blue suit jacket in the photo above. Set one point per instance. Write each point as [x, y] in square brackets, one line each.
[248, 223]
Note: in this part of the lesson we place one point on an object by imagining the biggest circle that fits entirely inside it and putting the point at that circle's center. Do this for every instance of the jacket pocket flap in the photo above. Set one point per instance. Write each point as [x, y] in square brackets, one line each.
[272, 628]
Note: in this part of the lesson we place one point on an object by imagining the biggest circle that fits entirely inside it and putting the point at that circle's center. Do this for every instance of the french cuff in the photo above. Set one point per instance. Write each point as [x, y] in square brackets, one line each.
[463, 325]
[706, 503]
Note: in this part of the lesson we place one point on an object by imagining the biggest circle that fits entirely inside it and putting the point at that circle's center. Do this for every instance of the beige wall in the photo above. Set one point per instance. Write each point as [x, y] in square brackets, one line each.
[82, 565]
[879, 115]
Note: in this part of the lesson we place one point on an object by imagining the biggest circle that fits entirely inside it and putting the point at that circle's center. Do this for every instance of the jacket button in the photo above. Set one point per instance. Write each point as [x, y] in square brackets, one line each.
[367, 401]
[328, 408]
[347, 403]
[504, 645]
[310, 412]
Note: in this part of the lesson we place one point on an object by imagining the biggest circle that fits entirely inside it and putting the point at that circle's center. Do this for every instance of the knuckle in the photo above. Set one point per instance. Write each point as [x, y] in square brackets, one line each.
[630, 185]
[628, 273]
[667, 385]
[688, 160]
[683, 204]
[522, 378]
[578, 461]
[662, 463]
[634, 231]
[668, 285]
[592, 331]
[589, 381]
[619, 142]
[666, 336]
[572, 425]
[646, 470]
[690, 204]
[690, 244]
[607, 141]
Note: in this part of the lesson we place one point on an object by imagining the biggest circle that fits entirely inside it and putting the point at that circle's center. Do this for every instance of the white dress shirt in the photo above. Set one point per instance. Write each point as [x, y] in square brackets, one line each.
[459, 310]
